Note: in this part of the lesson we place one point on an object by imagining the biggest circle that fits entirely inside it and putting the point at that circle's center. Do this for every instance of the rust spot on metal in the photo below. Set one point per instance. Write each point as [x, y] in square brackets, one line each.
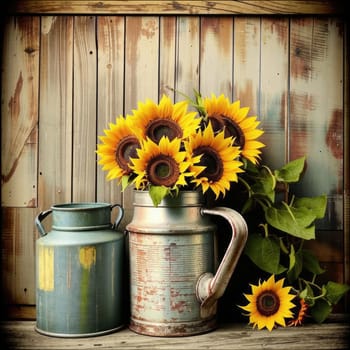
[334, 136]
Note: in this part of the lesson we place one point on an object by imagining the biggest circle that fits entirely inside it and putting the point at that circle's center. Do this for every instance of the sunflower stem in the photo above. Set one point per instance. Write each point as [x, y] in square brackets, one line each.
[246, 185]
[266, 229]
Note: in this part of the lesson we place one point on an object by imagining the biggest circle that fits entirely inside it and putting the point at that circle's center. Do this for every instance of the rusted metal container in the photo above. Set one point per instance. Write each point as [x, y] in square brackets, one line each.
[79, 271]
[174, 279]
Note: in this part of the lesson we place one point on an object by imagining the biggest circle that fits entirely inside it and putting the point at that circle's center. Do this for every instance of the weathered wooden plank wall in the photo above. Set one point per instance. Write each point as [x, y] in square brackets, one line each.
[66, 77]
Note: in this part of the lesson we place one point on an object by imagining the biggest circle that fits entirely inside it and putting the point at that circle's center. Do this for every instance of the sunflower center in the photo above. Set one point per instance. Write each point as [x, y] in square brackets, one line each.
[268, 303]
[163, 171]
[221, 122]
[163, 127]
[126, 149]
[234, 130]
[217, 123]
[212, 163]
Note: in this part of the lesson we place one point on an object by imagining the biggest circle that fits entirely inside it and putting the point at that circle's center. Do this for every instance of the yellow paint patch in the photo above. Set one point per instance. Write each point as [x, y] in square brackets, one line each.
[87, 256]
[46, 268]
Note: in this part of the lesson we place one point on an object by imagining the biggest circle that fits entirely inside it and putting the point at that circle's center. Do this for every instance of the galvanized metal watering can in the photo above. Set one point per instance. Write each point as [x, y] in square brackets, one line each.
[79, 271]
[174, 279]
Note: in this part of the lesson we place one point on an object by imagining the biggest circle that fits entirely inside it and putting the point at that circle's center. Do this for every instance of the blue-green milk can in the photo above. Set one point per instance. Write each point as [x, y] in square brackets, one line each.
[80, 271]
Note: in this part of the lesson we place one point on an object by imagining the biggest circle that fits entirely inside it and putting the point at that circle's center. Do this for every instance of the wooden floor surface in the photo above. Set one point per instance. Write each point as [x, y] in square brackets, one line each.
[21, 335]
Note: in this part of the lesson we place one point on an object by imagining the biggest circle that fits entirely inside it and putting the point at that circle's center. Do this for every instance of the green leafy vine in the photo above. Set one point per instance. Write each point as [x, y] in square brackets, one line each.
[276, 243]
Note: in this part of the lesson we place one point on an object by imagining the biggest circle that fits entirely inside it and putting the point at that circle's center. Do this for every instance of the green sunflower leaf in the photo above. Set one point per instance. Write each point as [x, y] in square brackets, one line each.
[265, 253]
[308, 294]
[335, 291]
[157, 194]
[291, 171]
[265, 184]
[311, 263]
[125, 182]
[317, 205]
[295, 264]
[295, 221]
[320, 310]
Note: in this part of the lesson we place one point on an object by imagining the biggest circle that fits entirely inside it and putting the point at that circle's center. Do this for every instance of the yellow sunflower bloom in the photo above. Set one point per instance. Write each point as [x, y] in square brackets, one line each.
[162, 164]
[118, 145]
[233, 119]
[218, 164]
[164, 119]
[269, 304]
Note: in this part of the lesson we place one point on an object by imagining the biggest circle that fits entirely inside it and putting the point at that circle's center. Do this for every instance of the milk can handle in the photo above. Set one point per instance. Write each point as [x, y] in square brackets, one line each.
[210, 288]
[38, 220]
[119, 216]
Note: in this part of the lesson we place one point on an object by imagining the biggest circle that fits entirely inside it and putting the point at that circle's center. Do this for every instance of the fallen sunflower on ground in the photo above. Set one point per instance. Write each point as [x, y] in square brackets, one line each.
[269, 304]
[164, 148]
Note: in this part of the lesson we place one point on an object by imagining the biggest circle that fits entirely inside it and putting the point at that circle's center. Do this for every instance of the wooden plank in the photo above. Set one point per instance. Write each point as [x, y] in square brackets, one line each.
[316, 110]
[167, 55]
[17, 259]
[216, 69]
[346, 163]
[141, 74]
[21, 312]
[246, 60]
[274, 89]
[110, 94]
[84, 109]
[187, 56]
[21, 335]
[8, 257]
[178, 7]
[56, 114]
[19, 112]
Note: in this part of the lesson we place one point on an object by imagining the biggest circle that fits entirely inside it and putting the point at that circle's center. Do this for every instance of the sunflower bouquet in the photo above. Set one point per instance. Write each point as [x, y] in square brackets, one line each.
[211, 144]
[165, 148]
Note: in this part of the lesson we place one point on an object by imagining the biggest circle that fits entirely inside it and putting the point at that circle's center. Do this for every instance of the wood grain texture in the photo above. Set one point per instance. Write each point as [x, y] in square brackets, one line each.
[246, 58]
[346, 199]
[316, 110]
[273, 90]
[110, 91]
[21, 335]
[18, 238]
[187, 56]
[178, 7]
[216, 51]
[56, 111]
[167, 55]
[141, 80]
[19, 112]
[84, 109]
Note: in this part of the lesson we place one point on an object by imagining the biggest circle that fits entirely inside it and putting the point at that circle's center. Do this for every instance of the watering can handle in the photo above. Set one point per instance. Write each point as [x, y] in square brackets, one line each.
[119, 216]
[210, 288]
[40, 218]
